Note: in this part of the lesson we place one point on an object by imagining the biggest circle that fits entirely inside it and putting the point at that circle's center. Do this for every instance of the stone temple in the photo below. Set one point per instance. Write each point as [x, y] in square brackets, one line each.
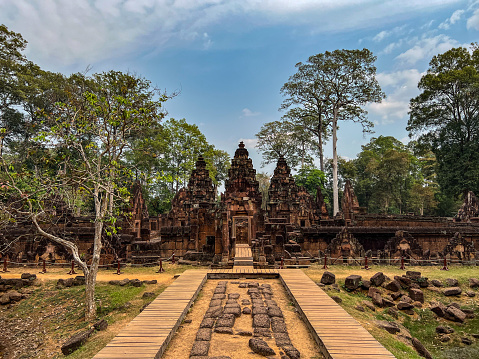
[293, 225]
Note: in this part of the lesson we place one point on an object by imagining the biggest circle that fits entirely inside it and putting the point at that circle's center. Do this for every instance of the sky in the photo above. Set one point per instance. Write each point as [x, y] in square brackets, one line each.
[229, 58]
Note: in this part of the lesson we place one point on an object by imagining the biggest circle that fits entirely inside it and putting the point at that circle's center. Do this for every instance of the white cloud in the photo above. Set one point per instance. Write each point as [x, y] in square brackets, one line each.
[455, 17]
[400, 86]
[246, 112]
[381, 36]
[61, 32]
[473, 21]
[426, 48]
[250, 143]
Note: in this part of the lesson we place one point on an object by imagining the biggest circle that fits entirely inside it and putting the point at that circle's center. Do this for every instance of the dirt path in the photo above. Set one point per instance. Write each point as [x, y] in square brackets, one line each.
[236, 346]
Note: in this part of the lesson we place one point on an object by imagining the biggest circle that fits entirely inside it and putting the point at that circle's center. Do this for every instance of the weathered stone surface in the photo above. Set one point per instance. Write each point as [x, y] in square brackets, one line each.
[404, 305]
[200, 348]
[473, 282]
[438, 308]
[275, 311]
[360, 308]
[14, 296]
[224, 330]
[365, 284]
[261, 321]
[452, 291]
[455, 314]
[153, 281]
[4, 299]
[214, 312]
[260, 309]
[436, 283]
[79, 280]
[328, 278]
[207, 323]
[244, 333]
[28, 276]
[466, 340]
[282, 339]
[373, 290]
[278, 325]
[291, 352]
[352, 282]
[377, 300]
[416, 295]
[378, 279]
[215, 302]
[368, 304]
[226, 320]
[101, 325]
[259, 346]
[262, 332]
[148, 295]
[336, 299]
[392, 311]
[233, 296]
[68, 282]
[469, 313]
[124, 282]
[76, 341]
[451, 282]
[235, 310]
[112, 282]
[470, 293]
[393, 286]
[218, 296]
[388, 303]
[444, 329]
[391, 327]
[246, 310]
[203, 334]
[421, 350]
[403, 281]
[413, 274]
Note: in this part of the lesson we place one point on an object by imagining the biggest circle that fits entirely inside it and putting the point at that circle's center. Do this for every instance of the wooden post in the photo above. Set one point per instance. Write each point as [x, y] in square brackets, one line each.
[281, 266]
[44, 269]
[118, 269]
[366, 263]
[403, 267]
[5, 269]
[173, 259]
[325, 266]
[72, 271]
[445, 264]
[161, 270]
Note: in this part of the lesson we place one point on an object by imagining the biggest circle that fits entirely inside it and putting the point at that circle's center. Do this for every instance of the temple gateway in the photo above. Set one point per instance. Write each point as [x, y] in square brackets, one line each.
[292, 225]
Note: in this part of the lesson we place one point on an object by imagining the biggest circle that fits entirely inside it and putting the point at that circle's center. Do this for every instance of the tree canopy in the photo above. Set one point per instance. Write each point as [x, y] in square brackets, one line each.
[444, 117]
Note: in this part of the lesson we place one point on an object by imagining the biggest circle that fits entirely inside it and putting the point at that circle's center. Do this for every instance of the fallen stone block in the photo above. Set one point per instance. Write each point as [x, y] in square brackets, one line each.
[259, 346]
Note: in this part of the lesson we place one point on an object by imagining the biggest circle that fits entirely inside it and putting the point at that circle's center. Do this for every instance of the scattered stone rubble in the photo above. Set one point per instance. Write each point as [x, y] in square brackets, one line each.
[267, 320]
[405, 294]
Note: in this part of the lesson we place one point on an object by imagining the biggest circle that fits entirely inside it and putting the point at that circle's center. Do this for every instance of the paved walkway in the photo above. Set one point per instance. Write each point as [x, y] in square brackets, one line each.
[148, 335]
[338, 334]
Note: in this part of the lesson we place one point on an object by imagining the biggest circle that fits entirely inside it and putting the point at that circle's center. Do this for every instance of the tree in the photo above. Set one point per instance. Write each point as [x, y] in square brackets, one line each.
[444, 117]
[348, 82]
[263, 179]
[310, 178]
[284, 139]
[386, 171]
[87, 137]
[303, 90]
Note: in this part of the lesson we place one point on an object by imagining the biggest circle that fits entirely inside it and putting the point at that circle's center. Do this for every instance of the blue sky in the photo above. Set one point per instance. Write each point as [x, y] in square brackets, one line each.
[230, 58]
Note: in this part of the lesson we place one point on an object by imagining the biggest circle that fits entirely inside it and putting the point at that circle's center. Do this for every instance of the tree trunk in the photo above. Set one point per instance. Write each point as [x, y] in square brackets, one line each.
[335, 165]
[320, 146]
[90, 278]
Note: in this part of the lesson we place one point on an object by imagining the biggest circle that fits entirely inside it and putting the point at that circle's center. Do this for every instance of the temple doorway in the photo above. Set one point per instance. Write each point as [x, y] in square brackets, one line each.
[242, 230]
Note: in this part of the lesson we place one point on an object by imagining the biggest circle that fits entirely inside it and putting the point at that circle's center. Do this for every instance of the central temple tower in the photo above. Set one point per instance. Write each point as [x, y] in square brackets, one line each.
[240, 215]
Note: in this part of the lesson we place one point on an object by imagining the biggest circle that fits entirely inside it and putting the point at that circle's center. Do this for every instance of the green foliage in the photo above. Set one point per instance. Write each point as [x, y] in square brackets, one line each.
[310, 178]
[284, 139]
[445, 118]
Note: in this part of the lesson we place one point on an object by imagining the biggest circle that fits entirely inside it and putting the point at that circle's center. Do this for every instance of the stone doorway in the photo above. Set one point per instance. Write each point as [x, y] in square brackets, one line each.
[242, 230]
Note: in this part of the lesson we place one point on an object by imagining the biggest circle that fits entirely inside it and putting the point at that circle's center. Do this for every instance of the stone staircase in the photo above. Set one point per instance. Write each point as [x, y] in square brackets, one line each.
[243, 257]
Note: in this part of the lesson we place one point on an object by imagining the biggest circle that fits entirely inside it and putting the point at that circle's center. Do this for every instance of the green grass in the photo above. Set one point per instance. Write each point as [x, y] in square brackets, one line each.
[423, 324]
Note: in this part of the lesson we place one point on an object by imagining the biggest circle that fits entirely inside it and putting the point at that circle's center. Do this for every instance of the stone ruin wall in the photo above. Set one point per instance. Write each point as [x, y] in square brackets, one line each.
[293, 225]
